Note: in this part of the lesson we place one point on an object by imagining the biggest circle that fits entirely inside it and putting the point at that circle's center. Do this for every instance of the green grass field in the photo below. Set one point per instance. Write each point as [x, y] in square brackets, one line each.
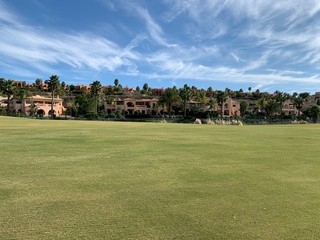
[116, 180]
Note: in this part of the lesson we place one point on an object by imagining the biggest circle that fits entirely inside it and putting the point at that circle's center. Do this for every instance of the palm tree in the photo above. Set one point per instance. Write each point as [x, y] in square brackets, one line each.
[269, 105]
[257, 94]
[212, 104]
[221, 99]
[146, 89]
[116, 82]
[53, 85]
[281, 97]
[209, 92]
[299, 100]
[8, 89]
[95, 91]
[194, 90]
[38, 82]
[22, 94]
[202, 98]
[185, 95]
[169, 97]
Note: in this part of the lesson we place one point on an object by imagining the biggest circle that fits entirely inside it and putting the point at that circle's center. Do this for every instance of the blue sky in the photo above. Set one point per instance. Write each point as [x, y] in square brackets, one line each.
[263, 44]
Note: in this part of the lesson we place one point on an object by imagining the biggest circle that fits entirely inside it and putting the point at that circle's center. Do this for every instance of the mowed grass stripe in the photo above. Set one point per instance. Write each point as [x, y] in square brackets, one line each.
[119, 180]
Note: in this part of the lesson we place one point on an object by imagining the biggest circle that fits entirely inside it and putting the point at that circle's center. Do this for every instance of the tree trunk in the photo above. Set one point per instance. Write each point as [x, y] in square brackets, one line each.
[96, 105]
[23, 107]
[8, 104]
[299, 111]
[52, 95]
[222, 110]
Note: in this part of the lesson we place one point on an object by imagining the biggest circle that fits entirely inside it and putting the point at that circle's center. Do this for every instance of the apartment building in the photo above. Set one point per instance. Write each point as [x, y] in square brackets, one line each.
[288, 108]
[312, 100]
[151, 106]
[42, 105]
[133, 105]
[231, 107]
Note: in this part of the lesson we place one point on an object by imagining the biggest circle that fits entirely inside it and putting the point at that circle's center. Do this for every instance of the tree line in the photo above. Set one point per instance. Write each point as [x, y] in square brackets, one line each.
[89, 102]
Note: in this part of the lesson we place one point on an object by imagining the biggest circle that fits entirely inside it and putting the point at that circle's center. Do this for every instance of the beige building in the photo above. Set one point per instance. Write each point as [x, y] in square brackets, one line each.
[133, 106]
[288, 108]
[151, 106]
[312, 100]
[231, 107]
[42, 105]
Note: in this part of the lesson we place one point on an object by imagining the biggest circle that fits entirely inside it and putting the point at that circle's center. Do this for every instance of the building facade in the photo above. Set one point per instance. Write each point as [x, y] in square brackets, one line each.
[288, 108]
[231, 107]
[133, 106]
[39, 104]
[151, 106]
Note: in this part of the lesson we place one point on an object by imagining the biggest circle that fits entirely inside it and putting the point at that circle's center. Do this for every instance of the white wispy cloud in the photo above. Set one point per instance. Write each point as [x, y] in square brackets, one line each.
[275, 31]
[153, 28]
[6, 15]
[41, 50]
[236, 57]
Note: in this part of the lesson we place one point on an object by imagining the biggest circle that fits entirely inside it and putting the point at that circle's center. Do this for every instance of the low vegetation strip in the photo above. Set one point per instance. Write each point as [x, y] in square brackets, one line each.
[120, 180]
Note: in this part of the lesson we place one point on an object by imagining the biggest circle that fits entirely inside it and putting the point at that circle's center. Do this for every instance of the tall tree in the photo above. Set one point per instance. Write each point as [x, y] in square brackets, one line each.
[169, 97]
[272, 106]
[257, 94]
[22, 94]
[8, 89]
[221, 99]
[95, 91]
[185, 95]
[118, 90]
[212, 104]
[281, 97]
[299, 100]
[53, 85]
[38, 81]
[202, 98]
[146, 89]
[269, 105]
[209, 92]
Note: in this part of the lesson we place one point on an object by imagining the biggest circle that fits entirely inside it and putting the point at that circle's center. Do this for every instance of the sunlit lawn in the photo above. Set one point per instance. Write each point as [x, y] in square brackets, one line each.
[115, 180]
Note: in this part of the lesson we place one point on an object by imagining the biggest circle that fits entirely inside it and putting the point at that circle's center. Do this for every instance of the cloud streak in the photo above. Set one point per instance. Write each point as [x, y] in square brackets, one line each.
[37, 49]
